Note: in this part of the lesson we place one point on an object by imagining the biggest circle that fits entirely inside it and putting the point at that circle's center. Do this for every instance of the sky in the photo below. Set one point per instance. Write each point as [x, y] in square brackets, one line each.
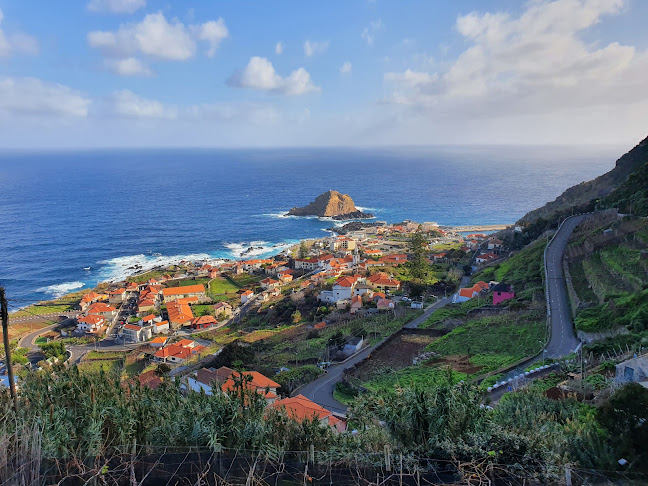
[216, 73]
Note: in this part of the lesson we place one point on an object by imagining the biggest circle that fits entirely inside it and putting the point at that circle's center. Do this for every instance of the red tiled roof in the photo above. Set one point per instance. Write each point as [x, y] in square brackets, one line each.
[188, 289]
[300, 408]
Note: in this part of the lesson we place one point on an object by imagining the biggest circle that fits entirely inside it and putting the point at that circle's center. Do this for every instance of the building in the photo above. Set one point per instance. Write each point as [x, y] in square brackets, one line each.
[246, 296]
[635, 369]
[223, 308]
[385, 304]
[99, 308]
[269, 283]
[136, 334]
[394, 260]
[342, 290]
[354, 345]
[382, 282]
[342, 243]
[179, 352]
[117, 296]
[300, 409]
[356, 304]
[161, 327]
[91, 298]
[495, 244]
[203, 322]
[486, 257]
[502, 292]
[158, 342]
[180, 313]
[230, 381]
[93, 324]
[188, 291]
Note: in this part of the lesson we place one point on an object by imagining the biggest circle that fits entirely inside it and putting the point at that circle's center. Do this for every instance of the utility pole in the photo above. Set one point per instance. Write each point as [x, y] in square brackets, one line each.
[4, 313]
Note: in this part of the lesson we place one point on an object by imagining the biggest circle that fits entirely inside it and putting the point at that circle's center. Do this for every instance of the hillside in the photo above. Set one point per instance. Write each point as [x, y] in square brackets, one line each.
[585, 195]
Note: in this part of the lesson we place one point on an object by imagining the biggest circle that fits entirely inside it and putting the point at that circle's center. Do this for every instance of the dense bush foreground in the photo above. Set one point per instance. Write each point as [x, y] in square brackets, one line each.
[84, 420]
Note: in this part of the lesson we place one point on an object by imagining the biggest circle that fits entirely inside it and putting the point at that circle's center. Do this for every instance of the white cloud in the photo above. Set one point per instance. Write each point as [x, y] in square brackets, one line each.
[315, 47]
[129, 66]
[34, 97]
[127, 104]
[346, 67]
[369, 33]
[158, 38]
[260, 74]
[213, 32]
[279, 47]
[533, 63]
[16, 42]
[116, 6]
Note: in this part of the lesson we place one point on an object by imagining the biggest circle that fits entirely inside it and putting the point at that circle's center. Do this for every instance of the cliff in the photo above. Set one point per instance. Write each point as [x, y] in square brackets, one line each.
[586, 193]
[331, 204]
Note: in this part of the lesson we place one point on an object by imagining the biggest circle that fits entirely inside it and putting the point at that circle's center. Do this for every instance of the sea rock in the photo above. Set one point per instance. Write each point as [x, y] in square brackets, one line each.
[331, 204]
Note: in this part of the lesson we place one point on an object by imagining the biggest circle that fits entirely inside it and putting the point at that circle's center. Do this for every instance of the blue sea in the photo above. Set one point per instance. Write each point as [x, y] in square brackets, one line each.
[108, 210]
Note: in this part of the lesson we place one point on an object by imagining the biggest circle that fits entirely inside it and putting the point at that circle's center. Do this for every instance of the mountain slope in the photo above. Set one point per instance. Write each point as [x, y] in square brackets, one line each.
[586, 194]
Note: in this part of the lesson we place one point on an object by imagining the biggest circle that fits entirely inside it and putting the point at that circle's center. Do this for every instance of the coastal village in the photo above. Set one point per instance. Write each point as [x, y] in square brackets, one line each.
[169, 316]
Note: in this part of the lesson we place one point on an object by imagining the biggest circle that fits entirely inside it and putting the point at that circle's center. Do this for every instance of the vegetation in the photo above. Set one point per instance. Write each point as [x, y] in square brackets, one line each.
[296, 377]
[54, 349]
[495, 341]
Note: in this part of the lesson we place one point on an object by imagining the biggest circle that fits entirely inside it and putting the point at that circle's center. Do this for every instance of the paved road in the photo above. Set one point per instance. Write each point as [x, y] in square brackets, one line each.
[321, 390]
[562, 341]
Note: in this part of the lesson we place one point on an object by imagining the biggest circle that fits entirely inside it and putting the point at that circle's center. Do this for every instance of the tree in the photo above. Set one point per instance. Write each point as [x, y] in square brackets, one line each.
[303, 250]
[419, 265]
[337, 340]
[235, 351]
[296, 317]
[54, 349]
[163, 369]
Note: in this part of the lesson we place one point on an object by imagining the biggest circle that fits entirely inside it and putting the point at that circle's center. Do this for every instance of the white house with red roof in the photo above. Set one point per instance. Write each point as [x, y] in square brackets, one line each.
[246, 296]
[269, 283]
[93, 324]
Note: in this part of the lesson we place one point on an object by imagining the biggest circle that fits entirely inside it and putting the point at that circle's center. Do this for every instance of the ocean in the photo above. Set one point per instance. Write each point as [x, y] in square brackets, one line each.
[109, 210]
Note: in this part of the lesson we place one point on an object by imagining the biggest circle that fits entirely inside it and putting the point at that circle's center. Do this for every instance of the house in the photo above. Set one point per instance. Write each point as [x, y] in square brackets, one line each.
[439, 257]
[246, 296]
[306, 263]
[173, 293]
[269, 283]
[373, 253]
[229, 381]
[416, 304]
[117, 296]
[252, 381]
[150, 319]
[213, 272]
[495, 244]
[502, 292]
[99, 308]
[203, 322]
[285, 277]
[354, 345]
[342, 290]
[131, 289]
[180, 313]
[384, 304]
[363, 289]
[161, 327]
[91, 298]
[486, 257]
[145, 305]
[93, 324]
[468, 293]
[136, 334]
[179, 352]
[223, 308]
[394, 260]
[382, 282]
[150, 379]
[356, 304]
[635, 369]
[300, 409]
[158, 342]
[276, 292]
[342, 243]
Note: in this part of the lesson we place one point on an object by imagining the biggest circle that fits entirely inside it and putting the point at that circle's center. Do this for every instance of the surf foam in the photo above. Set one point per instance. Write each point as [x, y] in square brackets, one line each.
[58, 290]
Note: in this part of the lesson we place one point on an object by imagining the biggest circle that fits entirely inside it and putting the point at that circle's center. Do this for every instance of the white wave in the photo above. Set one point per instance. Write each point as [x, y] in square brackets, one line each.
[364, 209]
[258, 248]
[120, 268]
[59, 290]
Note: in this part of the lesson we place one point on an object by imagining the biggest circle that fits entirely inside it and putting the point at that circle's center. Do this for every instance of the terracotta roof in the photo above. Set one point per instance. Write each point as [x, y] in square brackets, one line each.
[346, 281]
[258, 381]
[150, 317]
[466, 292]
[222, 305]
[118, 291]
[100, 307]
[179, 311]
[247, 292]
[269, 281]
[92, 319]
[150, 379]
[132, 327]
[161, 323]
[187, 343]
[301, 408]
[160, 340]
[204, 320]
[188, 289]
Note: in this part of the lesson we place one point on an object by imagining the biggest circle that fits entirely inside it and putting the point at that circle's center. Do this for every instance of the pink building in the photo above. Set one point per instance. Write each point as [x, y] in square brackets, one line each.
[502, 292]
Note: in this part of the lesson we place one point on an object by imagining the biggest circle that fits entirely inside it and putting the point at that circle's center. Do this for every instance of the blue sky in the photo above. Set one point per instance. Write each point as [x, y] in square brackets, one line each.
[128, 73]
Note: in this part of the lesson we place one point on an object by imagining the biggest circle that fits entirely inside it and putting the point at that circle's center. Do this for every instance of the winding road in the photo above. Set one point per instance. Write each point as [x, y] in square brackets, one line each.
[562, 340]
[321, 390]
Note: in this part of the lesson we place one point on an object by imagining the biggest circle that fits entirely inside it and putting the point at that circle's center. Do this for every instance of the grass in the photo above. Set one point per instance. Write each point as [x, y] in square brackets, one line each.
[344, 398]
[581, 285]
[495, 341]
[418, 375]
[191, 281]
[452, 311]
[42, 310]
[109, 366]
[145, 276]
[199, 309]
[220, 286]
[105, 355]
